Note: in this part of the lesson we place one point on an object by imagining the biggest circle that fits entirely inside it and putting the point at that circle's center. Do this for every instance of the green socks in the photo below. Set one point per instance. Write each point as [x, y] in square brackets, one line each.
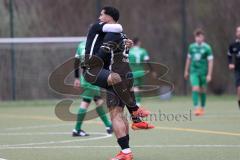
[82, 113]
[102, 114]
[80, 117]
[195, 95]
[203, 99]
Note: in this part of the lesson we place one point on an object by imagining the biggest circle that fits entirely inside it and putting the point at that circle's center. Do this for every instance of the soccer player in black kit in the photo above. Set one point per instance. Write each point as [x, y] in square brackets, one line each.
[106, 79]
[234, 54]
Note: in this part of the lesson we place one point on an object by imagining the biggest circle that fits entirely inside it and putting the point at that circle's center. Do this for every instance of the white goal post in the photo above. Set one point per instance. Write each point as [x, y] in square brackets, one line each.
[30, 40]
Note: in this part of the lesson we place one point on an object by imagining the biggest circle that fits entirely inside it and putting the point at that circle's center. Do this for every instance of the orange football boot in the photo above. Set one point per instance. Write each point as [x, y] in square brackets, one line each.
[142, 125]
[122, 156]
[202, 111]
[199, 111]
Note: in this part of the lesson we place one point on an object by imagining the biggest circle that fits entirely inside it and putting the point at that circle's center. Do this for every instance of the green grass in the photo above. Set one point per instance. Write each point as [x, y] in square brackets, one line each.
[28, 128]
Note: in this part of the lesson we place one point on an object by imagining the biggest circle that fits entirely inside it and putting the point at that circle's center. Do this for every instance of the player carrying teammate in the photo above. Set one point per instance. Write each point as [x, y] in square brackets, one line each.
[234, 52]
[200, 65]
[94, 41]
[90, 93]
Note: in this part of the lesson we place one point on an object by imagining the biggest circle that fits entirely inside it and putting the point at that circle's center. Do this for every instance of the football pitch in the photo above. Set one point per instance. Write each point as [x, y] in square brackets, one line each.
[30, 131]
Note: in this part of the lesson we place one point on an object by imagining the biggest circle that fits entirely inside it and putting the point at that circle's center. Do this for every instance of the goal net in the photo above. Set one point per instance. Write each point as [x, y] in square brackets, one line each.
[25, 65]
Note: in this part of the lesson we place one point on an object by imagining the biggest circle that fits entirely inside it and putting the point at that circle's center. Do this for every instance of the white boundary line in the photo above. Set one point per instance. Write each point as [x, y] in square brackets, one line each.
[105, 135]
[134, 146]
[36, 127]
[32, 145]
[38, 133]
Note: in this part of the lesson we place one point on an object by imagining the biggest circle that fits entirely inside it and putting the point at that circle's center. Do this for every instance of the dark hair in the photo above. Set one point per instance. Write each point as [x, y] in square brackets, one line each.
[111, 11]
[198, 32]
[136, 40]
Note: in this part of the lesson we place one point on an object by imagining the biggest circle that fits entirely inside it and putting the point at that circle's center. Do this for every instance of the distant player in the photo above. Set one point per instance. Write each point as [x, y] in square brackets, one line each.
[138, 55]
[200, 65]
[90, 93]
[234, 53]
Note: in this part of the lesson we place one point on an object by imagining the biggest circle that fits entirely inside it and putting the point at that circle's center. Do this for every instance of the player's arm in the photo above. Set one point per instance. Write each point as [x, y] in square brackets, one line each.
[231, 65]
[77, 62]
[94, 32]
[210, 69]
[104, 27]
[210, 65]
[115, 28]
[107, 46]
[187, 65]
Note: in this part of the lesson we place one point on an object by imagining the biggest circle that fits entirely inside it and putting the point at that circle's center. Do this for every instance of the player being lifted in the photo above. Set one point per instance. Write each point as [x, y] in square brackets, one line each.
[94, 41]
[200, 65]
[234, 53]
[90, 93]
[137, 55]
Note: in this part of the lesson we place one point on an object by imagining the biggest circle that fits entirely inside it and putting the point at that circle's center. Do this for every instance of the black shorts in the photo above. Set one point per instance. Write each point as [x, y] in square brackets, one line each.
[237, 78]
[113, 100]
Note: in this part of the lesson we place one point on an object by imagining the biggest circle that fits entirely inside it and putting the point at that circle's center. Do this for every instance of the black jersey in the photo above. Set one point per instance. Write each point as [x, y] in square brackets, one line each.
[234, 54]
[114, 53]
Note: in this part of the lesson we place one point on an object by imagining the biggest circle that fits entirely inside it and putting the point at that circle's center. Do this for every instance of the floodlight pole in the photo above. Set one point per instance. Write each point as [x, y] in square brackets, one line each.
[13, 62]
[184, 41]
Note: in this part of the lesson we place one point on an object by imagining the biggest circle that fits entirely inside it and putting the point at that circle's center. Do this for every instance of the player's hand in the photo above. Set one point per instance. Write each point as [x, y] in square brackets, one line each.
[231, 66]
[128, 43]
[77, 83]
[154, 74]
[186, 75]
[209, 78]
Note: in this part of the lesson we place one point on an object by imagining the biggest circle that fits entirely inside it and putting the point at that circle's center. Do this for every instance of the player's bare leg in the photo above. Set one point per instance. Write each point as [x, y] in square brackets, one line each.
[120, 129]
[126, 124]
